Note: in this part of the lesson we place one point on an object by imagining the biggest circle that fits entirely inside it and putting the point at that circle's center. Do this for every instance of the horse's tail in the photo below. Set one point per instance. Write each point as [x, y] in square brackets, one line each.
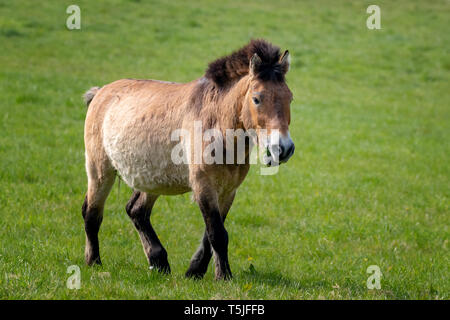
[90, 94]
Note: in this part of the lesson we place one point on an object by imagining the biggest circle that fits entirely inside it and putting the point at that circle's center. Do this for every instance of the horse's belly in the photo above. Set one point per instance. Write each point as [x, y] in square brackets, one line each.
[143, 160]
[147, 172]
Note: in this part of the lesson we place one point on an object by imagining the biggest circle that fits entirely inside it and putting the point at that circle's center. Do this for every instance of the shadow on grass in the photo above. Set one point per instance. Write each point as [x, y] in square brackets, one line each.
[277, 279]
[313, 284]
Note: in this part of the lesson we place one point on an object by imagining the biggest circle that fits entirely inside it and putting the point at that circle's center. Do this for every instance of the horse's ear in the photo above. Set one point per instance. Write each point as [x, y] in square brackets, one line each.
[255, 62]
[285, 62]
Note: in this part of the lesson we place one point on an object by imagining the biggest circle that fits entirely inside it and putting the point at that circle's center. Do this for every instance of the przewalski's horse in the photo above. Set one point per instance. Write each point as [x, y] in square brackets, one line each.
[128, 132]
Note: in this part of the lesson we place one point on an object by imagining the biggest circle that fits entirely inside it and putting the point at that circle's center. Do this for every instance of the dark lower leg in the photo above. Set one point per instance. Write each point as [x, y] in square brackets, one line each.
[139, 209]
[200, 259]
[217, 236]
[92, 221]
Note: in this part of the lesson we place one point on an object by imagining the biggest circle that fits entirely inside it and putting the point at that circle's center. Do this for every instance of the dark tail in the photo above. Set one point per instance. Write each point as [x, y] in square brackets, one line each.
[90, 94]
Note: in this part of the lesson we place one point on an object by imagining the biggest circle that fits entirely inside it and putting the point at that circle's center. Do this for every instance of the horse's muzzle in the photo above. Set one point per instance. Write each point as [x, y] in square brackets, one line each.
[286, 151]
[280, 152]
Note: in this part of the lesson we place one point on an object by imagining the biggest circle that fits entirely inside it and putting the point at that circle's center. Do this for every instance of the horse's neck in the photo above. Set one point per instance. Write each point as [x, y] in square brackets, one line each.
[225, 111]
[222, 111]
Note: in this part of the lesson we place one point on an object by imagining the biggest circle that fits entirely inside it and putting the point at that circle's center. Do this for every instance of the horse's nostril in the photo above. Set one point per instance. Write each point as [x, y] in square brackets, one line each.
[287, 153]
[291, 150]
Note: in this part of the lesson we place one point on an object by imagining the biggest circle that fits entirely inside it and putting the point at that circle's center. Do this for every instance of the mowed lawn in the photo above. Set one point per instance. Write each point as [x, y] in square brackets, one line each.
[368, 184]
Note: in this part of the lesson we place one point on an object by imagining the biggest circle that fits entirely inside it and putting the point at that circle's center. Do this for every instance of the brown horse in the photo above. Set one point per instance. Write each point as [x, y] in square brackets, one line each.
[128, 131]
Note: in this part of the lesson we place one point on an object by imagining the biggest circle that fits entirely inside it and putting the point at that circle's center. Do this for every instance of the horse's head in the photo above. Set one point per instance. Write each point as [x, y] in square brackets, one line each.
[267, 106]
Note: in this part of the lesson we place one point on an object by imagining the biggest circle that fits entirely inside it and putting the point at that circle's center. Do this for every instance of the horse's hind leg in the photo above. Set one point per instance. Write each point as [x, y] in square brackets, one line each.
[100, 181]
[139, 209]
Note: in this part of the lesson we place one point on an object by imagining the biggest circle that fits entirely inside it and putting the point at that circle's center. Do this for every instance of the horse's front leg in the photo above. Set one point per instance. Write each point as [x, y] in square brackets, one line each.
[200, 260]
[216, 234]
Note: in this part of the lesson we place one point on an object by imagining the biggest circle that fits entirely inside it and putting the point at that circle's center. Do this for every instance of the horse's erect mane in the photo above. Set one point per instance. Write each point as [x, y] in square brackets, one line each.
[226, 70]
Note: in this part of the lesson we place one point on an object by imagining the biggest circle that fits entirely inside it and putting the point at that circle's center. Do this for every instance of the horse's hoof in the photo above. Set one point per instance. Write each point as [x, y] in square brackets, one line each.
[224, 275]
[165, 269]
[194, 274]
[160, 263]
[93, 261]
[161, 267]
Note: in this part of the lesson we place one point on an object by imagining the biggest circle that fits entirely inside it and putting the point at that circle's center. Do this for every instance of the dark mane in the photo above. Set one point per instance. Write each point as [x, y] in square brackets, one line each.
[231, 68]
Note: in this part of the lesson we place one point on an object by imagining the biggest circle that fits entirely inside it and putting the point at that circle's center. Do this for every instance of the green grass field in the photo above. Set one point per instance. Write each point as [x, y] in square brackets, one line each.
[368, 184]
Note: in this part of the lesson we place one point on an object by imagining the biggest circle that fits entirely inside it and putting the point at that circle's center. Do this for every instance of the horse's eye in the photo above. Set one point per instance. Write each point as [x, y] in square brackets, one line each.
[256, 100]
